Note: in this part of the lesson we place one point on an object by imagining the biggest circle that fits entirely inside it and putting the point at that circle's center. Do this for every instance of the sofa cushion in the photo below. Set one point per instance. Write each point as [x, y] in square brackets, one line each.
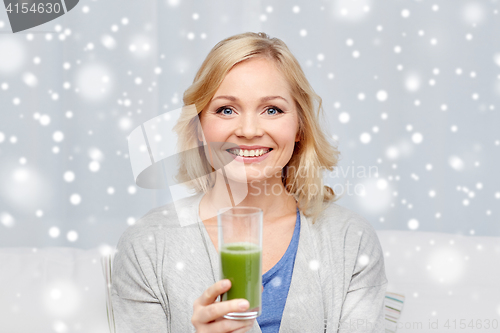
[52, 290]
[446, 279]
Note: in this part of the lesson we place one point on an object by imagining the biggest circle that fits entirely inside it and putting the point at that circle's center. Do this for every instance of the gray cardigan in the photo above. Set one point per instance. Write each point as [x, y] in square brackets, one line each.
[164, 263]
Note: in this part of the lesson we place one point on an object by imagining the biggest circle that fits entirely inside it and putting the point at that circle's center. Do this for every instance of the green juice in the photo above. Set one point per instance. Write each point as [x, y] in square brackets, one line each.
[241, 264]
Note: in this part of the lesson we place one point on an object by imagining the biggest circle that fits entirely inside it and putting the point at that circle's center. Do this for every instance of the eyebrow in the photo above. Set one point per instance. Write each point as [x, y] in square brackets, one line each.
[263, 99]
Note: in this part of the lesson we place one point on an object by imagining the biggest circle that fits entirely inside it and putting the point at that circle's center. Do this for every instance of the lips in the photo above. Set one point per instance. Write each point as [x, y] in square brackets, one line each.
[250, 159]
[243, 147]
[240, 152]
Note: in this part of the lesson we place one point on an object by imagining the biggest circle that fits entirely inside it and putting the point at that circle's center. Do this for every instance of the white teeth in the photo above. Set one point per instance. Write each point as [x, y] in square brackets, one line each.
[249, 153]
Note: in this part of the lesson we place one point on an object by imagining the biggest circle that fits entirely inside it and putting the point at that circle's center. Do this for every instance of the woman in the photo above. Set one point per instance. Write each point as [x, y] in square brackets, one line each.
[253, 138]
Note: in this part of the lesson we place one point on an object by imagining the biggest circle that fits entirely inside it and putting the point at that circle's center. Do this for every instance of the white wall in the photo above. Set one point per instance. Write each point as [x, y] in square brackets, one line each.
[80, 71]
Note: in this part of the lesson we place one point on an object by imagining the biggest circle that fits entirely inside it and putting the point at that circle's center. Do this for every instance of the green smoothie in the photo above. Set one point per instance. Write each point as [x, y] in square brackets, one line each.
[241, 264]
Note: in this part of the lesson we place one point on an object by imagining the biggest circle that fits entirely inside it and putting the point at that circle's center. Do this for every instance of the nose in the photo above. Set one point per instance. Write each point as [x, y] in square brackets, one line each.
[249, 126]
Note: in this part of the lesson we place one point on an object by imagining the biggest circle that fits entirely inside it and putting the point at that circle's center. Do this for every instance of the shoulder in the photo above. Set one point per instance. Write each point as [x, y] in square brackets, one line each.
[342, 226]
[359, 243]
[160, 222]
[339, 219]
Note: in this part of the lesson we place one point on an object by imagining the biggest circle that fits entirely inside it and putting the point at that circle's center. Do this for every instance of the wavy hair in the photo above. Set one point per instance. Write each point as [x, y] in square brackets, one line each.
[311, 155]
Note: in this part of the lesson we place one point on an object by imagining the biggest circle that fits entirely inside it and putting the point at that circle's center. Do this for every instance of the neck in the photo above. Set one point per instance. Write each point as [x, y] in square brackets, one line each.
[269, 195]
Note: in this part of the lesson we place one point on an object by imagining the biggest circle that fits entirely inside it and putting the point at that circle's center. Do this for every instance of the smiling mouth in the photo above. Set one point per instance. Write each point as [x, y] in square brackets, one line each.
[249, 153]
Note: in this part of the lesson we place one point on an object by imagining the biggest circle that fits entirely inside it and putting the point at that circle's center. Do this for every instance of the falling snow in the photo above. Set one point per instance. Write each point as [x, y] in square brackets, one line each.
[72, 236]
[413, 224]
[94, 166]
[54, 232]
[75, 199]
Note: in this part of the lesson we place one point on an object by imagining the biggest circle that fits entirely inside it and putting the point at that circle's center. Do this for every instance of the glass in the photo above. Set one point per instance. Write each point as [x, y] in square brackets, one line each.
[240, 248]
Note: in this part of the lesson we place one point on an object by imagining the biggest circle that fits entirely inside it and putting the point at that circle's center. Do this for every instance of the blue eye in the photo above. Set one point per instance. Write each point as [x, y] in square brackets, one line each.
[274, 109]
[223, 110]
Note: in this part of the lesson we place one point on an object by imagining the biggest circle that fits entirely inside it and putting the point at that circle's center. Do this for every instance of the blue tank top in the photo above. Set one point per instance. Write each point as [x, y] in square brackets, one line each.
[276, 283]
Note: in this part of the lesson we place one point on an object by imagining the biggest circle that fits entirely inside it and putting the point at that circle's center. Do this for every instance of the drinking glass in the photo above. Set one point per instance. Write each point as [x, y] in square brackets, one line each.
[240, 248]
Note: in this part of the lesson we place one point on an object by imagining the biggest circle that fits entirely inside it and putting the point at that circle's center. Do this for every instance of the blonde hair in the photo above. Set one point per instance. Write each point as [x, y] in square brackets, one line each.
[312, 153]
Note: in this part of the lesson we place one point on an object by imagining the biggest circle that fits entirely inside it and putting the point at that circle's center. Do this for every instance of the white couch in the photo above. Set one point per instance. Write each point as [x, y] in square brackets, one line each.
[442, 276]
[447, 280]
[52, 290]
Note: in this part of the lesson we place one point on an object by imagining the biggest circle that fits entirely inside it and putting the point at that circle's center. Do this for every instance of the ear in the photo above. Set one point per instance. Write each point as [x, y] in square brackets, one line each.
[297, 136]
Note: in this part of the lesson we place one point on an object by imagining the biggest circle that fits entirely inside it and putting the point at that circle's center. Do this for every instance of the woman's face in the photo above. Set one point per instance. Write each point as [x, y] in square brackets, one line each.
[253, 108]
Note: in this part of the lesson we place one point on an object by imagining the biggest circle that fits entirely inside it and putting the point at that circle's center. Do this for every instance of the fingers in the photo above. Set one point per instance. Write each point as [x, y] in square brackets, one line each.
[212, 292]
[232, 326]
[208, 314]
[219, 309]
[227, 326]
[244, 329]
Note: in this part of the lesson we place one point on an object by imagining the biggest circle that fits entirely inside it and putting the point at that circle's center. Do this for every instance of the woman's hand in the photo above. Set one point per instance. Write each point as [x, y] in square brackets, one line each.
[208, 314]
